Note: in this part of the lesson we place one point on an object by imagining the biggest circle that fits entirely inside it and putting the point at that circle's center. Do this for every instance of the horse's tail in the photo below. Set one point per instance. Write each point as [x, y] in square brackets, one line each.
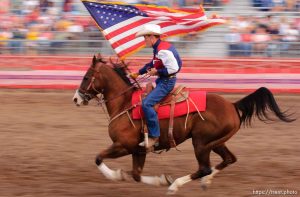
[258, 104]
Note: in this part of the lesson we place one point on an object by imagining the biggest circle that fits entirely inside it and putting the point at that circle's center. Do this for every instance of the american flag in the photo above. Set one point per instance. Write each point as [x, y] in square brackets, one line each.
[119, 22]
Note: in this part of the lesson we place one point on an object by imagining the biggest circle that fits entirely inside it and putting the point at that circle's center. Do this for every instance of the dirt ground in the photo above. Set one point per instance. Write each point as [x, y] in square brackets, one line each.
[48, 146]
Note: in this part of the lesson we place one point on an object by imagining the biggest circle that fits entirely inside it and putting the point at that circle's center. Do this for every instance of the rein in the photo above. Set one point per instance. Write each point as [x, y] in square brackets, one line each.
[131, 107]
[123, 92]
[102, 101]
[123, 112]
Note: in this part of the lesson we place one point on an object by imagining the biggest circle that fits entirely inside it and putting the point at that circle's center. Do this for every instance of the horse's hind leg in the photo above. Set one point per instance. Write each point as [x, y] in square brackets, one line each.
[138, 164]
[114, 151]
[202, 154]
[228, 158]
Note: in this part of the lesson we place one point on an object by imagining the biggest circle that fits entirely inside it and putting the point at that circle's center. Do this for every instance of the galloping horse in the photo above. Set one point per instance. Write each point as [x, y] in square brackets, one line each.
[222, 119]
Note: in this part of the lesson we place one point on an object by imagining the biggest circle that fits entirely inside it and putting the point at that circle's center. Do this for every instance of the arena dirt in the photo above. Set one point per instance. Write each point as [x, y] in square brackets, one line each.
[48, 146]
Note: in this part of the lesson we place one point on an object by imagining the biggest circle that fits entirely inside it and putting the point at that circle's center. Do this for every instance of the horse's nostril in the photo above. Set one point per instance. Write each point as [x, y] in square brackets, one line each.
[75, 100]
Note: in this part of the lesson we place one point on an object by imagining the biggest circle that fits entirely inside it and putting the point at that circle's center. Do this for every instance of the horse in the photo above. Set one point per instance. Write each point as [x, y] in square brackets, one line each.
[222, 119]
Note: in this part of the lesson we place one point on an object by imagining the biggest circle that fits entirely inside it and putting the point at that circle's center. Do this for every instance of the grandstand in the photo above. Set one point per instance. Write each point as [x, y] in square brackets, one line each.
[48, 44]
[63, 27]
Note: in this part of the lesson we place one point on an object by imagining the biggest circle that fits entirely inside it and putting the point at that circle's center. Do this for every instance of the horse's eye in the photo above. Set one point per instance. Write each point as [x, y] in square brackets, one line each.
[85, 78]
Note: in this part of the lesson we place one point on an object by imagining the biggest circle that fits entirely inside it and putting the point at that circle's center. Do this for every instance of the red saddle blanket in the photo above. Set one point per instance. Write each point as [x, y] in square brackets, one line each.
[198, 97]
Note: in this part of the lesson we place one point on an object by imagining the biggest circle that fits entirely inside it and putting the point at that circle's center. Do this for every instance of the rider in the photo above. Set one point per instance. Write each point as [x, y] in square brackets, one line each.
[165, 64]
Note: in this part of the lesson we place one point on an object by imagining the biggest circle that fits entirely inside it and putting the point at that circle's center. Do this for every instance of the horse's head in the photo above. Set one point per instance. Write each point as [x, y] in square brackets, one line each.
[92, 83]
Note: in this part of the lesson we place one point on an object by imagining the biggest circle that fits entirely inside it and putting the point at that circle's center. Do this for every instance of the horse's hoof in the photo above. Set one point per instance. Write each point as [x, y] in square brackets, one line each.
[169, 179]
[150, 149]
[124, 176]
[171, 192]
[204, 187]
[205, 182]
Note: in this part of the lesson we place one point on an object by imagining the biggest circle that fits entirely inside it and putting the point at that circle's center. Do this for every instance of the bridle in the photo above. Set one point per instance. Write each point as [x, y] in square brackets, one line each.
[88, 96]
[84, 92]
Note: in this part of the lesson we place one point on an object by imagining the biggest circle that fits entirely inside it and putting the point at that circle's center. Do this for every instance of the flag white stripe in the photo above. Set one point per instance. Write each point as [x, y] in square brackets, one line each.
[196, 19]
[137, 18]
[216, 20]
[122, 24]
[129, 31]
[129, 44]
[164, 30]
[188, 23]
[120, 28]
[165, 16]
[162, 13]
[184, 27]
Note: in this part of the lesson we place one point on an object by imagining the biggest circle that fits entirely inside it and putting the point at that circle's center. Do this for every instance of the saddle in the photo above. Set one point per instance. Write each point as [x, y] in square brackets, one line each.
[177, 95]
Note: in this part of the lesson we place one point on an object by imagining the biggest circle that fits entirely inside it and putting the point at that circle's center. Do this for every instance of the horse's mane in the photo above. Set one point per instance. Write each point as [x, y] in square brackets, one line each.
[122, 73]
[121, 68]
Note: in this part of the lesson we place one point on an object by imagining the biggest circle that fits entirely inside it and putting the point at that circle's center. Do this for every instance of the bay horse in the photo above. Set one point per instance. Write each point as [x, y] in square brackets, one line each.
[222, 119]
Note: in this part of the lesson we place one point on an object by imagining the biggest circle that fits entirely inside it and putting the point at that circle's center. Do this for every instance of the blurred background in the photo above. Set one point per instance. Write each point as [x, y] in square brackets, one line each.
[48, 146]
[256, 28]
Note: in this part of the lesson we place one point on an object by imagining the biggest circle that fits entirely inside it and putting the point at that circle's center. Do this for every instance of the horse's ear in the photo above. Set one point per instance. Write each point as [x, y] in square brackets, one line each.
[94, 61]
[99, 56]
[124, 64]
[111, 61]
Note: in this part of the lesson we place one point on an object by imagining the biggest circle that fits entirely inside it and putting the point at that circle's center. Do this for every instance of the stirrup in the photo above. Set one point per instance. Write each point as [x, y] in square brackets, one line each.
[146, 144]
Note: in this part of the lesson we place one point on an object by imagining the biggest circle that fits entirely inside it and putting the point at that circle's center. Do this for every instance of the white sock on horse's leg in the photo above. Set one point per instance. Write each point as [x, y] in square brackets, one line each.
[206, 180]
[178, 183]
[155, 180]
[115, 175]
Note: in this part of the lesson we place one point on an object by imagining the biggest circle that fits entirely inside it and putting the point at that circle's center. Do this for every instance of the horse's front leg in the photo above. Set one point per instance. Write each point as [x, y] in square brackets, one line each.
[138, 160]
[116, 150]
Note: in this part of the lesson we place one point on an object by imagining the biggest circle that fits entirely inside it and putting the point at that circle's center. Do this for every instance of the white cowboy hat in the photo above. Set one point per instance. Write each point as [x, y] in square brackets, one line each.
[149, 29]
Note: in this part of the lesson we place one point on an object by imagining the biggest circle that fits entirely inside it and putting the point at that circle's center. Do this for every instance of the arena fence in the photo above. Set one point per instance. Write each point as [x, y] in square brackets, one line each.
[214, 75]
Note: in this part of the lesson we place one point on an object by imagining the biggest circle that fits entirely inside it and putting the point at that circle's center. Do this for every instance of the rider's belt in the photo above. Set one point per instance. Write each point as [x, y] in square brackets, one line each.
[171, 76]
[168, 77]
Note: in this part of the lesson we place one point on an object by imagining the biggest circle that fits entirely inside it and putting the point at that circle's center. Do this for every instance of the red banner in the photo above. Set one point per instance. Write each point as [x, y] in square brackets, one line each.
[222, 75]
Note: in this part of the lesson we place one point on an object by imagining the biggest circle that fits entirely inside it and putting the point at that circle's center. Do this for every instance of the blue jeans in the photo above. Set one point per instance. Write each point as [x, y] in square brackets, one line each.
[163, 87]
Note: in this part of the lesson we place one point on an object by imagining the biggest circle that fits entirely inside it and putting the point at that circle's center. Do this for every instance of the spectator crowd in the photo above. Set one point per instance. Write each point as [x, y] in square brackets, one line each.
[41, 25]
[263, 36]
[50, 26]
[277, 5]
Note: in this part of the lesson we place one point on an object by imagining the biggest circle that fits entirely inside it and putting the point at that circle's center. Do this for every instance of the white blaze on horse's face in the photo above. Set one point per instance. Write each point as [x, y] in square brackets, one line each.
[78, 100]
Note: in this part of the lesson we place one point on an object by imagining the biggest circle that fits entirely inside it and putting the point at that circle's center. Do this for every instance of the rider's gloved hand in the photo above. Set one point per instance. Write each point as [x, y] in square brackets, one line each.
[152, 72]
[134, 75]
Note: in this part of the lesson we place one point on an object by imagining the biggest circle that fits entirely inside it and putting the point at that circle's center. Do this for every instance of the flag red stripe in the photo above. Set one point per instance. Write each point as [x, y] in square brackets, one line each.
[191, 10]
[127, 27]
[130, 49]
[172, 21]
[147, 8]
[139, 23]
[182, 31]
[132, 36]
[123, 41]
[169, 33]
